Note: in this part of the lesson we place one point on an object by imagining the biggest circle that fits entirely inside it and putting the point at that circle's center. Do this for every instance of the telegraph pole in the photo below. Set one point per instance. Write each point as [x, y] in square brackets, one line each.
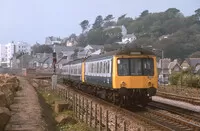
[54, 77]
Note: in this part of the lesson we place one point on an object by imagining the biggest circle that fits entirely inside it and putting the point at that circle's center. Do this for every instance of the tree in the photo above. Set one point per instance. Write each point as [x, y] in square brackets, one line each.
[37, 48]
[72, 36]
[98, 22]
[144, 13]
[125, 21]
[108, 21]
[122, 17]
[197, 11]
[96, 37]
[195, 55]
[84, 25]
[108, 18]
[172, 12]
[82, 40]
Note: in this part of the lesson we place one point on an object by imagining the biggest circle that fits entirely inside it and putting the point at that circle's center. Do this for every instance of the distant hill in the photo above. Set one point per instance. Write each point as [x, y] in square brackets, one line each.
[171, 31]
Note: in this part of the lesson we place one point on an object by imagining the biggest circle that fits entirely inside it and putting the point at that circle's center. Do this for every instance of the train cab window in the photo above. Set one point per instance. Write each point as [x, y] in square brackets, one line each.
[136, 67]
[123, 67]
[148, 67]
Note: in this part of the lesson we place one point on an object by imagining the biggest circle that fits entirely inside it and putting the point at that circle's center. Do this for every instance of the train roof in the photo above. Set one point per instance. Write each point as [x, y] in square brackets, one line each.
[123, 51]
[74, 61]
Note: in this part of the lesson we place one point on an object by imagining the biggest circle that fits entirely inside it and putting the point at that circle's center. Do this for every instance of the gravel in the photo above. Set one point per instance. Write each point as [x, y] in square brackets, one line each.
[177, 103]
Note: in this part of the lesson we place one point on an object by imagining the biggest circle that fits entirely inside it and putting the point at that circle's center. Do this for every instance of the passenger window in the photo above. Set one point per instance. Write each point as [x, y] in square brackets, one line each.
[92, 68]
[101, 67]
[104, 67]
[97, 67]
[108, 67]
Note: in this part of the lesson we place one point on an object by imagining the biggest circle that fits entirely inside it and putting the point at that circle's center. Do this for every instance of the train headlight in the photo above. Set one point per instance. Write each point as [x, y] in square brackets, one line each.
[123, 84]
[149, 84]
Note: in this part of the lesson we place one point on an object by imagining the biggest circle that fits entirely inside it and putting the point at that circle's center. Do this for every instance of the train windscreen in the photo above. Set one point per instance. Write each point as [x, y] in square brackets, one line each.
[135, 67]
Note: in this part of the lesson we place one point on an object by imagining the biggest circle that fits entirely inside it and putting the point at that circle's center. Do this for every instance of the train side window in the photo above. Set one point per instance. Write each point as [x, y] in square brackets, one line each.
[104, 64]
[100, 67]
[89, 67]
[97, 67]
[108, 71]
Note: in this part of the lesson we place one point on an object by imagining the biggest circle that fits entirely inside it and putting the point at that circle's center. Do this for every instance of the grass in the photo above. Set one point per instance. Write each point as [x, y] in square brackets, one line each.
[50, 98]
[76, 127]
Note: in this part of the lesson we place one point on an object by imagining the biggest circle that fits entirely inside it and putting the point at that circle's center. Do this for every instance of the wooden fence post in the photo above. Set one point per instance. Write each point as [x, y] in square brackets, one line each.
[100, 119]
[115, 122]
[83, 101]
[65, 94]
[90, 121]
[107, 120]
[86, 119]
[95, 117]
[79, 108]
[76, 106]
[124, 125]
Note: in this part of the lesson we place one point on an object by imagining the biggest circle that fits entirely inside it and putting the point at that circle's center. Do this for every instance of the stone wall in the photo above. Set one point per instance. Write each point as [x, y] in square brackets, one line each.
[9, 85]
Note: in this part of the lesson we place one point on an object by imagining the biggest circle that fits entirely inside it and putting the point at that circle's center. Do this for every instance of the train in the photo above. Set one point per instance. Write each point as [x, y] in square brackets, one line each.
[125, 76]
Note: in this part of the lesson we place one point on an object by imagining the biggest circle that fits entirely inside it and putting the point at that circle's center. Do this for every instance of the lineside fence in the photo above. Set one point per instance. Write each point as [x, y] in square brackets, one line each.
[88, 111]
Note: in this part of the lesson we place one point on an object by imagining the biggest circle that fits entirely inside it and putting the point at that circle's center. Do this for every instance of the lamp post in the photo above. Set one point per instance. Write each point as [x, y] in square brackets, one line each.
[162, 57]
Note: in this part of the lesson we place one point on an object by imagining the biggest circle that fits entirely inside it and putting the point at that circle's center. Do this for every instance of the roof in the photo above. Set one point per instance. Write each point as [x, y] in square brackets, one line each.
[59, 48]
[164, 63]
[74, 61]
[52, 38]
[96, 46]
[64, 58]
[193, 61]
[173, 64]
[42, 60]
[128, 36]
[124, 51]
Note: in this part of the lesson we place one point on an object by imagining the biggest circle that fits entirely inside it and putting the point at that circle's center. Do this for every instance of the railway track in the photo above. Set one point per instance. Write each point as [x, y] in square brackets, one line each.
[175, 117]
[188, 114]
[192, 100]
[155, 118]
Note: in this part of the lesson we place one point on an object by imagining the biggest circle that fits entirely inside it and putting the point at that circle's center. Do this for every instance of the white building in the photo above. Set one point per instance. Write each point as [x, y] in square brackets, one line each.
[7, 51]
[3, 55]
[52, 40]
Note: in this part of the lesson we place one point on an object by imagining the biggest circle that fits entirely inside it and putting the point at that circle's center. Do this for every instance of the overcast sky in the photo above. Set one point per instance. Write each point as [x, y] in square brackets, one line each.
[33, 20]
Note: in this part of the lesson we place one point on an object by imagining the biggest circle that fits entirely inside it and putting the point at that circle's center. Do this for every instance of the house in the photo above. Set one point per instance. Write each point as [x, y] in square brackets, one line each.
[190, 62]
[24, 60]
[71, 42]
[52, 40]
[174, 66]
[38, 60]
[163, 69]
[164, 37]
[128, 38]
[93, 47]
[62, 61]
[90, 50]
[197, 69]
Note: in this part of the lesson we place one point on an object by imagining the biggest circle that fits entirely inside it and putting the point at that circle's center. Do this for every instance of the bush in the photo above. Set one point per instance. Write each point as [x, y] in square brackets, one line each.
[174, 78]
[185, 78]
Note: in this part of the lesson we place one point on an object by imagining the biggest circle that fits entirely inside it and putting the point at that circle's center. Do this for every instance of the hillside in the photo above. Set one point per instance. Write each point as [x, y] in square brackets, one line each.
[171, 31]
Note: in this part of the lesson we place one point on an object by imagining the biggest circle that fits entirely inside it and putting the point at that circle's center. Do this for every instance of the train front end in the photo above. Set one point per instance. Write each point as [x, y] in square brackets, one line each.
[135, 77]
